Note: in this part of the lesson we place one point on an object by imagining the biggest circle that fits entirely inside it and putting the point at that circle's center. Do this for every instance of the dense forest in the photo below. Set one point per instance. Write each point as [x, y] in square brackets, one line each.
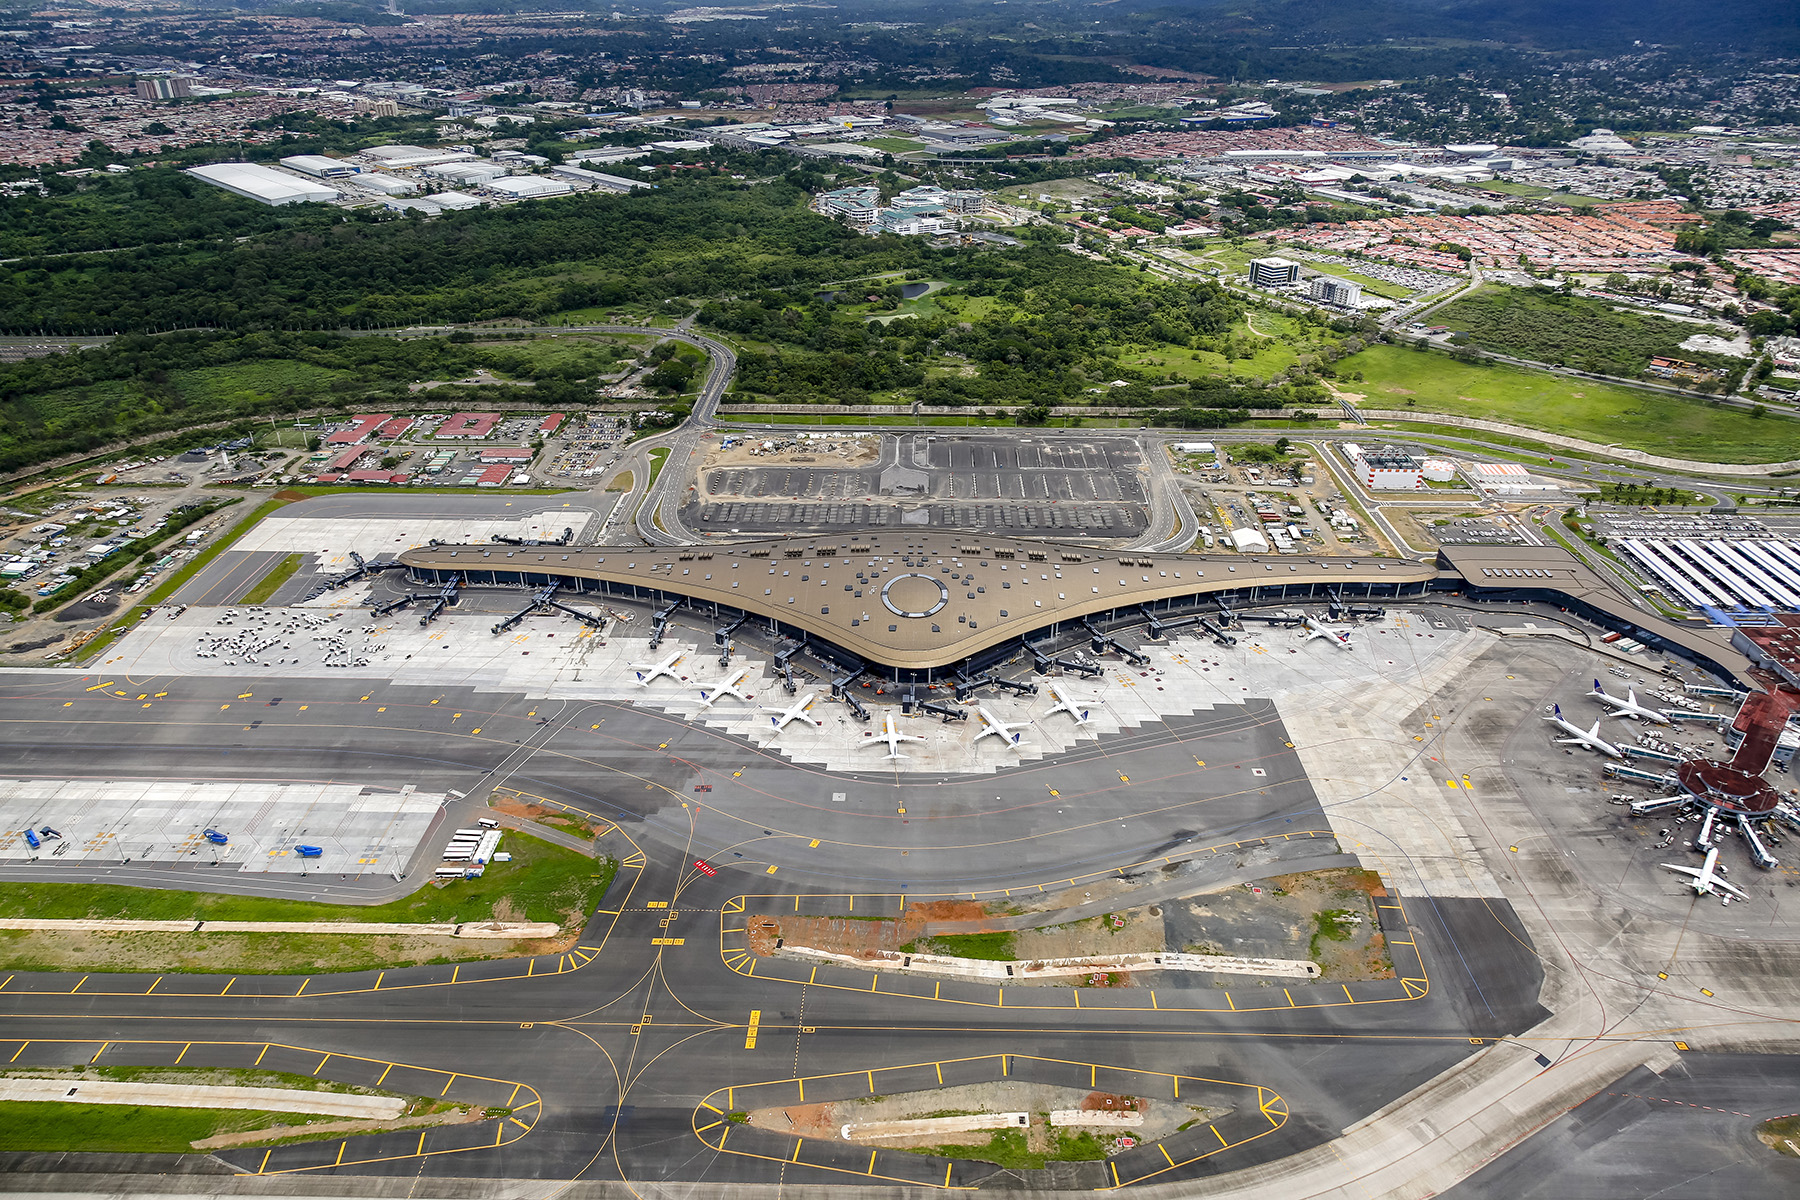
[1054, 333]
[1022, 327]
[1566, 330]
[693, 237]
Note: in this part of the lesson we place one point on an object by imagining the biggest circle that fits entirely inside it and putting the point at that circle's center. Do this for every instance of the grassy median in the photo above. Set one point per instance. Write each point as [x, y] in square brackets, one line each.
[542, 883]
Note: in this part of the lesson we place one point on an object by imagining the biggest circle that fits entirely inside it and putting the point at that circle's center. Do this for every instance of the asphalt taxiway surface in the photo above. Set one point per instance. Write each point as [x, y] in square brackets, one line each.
[607, 1058]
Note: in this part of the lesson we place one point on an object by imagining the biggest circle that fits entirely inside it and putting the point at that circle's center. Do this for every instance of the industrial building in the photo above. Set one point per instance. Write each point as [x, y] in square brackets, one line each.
[163, 87]
[386, 185]
[529, 187]
[413, 156]
[319, 166]
[264, 184]
[1386, 469]
[599, 180]
[362, 428]
[1273, 272]
[455, 201]
[475, 170]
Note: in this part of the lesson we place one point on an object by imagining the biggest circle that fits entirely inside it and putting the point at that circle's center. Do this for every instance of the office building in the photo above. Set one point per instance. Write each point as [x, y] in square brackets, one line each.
[1273, 272]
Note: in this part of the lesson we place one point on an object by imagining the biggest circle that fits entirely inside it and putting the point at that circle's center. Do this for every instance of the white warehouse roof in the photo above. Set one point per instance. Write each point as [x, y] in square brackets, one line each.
[611, 183]
[455, 200]
[413, 156]
[526, 186]
[473, 171]
[387, 185]
[263, 183]
[318, 164]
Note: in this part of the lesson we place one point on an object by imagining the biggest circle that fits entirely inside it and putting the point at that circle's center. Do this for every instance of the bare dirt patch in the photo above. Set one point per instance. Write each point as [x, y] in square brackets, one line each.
[249, 953]
[1325, 916]
[828, 451]
[1160, 1117]
[1129, 931]
[312, 1129]
[549, 817]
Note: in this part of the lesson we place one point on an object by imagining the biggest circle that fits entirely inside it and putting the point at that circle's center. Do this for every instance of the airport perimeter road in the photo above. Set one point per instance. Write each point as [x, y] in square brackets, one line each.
[607, 1052]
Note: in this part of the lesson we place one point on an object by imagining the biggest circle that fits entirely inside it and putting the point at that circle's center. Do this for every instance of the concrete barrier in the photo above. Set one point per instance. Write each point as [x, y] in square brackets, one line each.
[1022, 971]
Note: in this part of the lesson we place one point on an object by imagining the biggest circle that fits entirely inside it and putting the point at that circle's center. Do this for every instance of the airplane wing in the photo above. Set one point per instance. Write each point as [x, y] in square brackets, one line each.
[1681, 869]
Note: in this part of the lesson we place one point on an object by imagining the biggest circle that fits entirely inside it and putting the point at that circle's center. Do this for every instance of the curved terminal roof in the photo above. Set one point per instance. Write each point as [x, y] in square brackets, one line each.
[915, 600]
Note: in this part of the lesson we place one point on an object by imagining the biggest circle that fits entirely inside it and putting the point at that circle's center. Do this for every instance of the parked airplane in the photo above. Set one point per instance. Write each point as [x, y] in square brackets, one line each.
[790, 714]
[1583, 737]
[992, 726]
[1317, 629]
[1705, 880]
[656, 670]
[1066, 703]
[731, 685]
[1629, 707]
[893, 737]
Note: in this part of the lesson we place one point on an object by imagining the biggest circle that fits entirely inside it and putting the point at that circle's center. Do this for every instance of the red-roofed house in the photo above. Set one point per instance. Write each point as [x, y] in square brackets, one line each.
[395, 477]
[468, 425]
[508, 454]
[551, 424]
[363, 427]
[493, 477]
[345, 460]
[395, 428]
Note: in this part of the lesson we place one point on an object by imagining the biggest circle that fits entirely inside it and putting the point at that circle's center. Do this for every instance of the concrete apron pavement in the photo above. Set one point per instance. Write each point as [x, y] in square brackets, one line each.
[1611, 1011]
[1612, 1014]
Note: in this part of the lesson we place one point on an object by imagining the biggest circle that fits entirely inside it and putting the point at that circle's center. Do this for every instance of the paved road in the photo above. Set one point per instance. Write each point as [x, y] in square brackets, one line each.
[618, 1045]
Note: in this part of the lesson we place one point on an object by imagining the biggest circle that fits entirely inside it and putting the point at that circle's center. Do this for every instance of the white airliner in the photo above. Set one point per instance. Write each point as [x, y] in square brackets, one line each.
[1583, 737]
[1066, 703]
[1317, 629]
[893, 737]
[731, 685]
[1629, 707]
[790, 714]
[648, 673]
[992, 726]
[1705, 881]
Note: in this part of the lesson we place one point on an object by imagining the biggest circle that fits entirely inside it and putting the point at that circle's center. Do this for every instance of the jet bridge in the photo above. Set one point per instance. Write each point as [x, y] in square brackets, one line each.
[568, 536]
[545, 598]
[1219, 634]
[1102, 642]
[1158, 628]
[362, 570]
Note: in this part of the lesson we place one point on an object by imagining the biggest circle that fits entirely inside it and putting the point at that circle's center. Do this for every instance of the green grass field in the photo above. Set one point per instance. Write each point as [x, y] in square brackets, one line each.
[124, 1128]
[542, 883]
[1526, 191]
[271, 583]
[1397, 378]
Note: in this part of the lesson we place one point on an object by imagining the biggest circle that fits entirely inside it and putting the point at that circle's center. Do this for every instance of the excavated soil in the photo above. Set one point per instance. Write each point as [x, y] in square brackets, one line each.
[1161, 1117]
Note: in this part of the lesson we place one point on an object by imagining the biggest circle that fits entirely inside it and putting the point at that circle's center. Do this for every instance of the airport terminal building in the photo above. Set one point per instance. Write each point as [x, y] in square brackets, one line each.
[909, 605]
